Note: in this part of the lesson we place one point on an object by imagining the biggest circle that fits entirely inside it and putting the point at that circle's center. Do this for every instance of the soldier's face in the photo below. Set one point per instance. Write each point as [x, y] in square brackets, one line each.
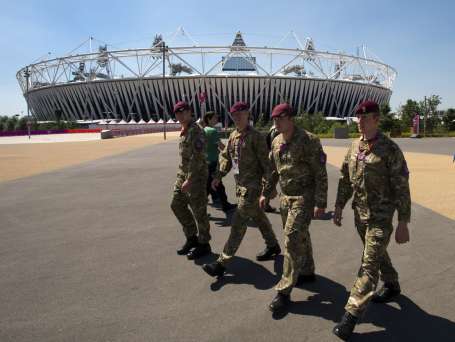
[283, 123]
[183, 117]
[240, 119]
[367, 123]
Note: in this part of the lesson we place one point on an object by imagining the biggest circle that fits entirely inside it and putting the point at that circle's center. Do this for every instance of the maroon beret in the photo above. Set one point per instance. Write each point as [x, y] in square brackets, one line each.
[181, 106]
[367, 107]
[282, 108]
[239, 106]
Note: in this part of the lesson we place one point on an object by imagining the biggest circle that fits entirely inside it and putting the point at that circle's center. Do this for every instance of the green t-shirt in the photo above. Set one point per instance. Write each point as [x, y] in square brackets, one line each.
[212, 143]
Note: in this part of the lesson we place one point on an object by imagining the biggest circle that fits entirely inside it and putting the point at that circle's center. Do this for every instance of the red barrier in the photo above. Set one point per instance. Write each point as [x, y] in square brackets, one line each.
[83, 130]
[49, 131]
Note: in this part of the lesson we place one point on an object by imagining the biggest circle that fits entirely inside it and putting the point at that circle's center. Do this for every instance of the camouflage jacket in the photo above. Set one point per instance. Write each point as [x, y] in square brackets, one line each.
[376, 173]
[247, 154]
[193, 164]
[300, 166]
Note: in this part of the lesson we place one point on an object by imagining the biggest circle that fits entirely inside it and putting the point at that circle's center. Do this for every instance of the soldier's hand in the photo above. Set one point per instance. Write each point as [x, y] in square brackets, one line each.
[215, 183]
[318, 213]
[262, 201]
[186, 186]
[337, 216]
[402, 232]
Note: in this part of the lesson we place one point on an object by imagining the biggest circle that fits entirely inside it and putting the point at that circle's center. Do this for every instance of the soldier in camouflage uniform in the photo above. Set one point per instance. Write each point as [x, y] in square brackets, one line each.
[246, 155]
[299, 163]
[374, 171]
[190, 188]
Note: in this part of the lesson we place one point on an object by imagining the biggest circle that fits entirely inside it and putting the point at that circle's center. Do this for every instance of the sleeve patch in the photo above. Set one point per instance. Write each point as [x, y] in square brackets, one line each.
[404, 169]
[323, 158]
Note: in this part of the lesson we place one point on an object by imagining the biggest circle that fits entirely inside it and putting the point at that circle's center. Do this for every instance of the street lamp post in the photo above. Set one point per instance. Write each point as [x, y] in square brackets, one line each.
[27, 77]
[425, 117]
[164, 48]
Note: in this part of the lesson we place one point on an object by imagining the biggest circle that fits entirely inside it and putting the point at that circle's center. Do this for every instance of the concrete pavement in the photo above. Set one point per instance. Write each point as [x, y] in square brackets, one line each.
[87, 253]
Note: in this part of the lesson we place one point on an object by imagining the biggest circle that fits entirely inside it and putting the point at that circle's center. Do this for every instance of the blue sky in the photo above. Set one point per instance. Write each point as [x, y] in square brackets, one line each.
[416, 37]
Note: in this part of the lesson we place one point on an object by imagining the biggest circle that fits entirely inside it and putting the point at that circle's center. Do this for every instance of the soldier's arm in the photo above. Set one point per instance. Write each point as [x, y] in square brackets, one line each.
[399, 181]
[198, 155]
[271, 182]
[318, 166]
[262, 153]
[344, 192]
[224, 162]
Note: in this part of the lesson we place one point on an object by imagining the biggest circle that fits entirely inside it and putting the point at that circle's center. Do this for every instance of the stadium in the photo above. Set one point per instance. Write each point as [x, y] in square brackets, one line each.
[141, 85]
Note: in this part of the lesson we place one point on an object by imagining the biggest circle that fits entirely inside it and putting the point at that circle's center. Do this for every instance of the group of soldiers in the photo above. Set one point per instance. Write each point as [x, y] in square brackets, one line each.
[374, 173]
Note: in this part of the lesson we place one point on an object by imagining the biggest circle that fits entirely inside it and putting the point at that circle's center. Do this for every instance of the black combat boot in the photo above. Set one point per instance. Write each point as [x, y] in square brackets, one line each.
[214, 269]
[199, 251]
[280, 302]
[305, 279]
[345, 328]
[386, 293]
[269, 253]
[190, 243]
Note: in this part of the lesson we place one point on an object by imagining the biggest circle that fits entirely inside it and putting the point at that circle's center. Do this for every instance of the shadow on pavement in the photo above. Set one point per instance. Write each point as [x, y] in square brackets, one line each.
[225, 221]
[244, 271]
[327, 301]
[406, 323]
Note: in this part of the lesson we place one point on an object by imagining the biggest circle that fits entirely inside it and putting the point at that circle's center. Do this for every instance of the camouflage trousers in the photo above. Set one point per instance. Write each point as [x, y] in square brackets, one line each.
[298, 252]
[247, 207]
[375, 263]
[195, 222]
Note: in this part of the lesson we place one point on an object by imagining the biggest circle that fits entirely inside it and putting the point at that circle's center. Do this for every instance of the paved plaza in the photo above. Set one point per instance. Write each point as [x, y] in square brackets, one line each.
[87, 253]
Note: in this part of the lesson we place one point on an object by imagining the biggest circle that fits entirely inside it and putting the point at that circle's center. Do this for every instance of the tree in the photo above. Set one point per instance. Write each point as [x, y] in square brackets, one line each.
[408, 111]
[388, 122]
[10, 124]
[315, 123]
[21, 124]
[429, 106]
[449, 119]
[3, 119]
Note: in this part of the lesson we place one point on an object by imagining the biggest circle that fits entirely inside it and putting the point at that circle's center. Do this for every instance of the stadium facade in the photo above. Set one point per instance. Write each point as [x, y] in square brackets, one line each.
[135, 84]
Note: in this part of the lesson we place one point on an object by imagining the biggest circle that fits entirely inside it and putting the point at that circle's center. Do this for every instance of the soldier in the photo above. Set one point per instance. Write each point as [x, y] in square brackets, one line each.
[190, 187]
[375, 172]
[214, 146]
[246, 154]
[299, 163]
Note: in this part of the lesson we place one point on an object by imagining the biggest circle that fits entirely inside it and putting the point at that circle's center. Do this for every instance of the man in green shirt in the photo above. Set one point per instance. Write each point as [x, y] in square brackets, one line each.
[214, 145]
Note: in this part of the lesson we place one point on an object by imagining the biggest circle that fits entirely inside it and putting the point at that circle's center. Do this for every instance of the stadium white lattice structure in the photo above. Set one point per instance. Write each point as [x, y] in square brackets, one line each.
[136, 84]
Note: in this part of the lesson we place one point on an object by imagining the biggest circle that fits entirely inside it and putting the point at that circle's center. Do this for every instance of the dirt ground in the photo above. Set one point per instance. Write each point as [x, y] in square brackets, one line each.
[24, 160]
[432, 178]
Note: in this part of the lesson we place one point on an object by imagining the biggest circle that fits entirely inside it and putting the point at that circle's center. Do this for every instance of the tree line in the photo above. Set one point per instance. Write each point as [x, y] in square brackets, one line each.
[15, 123]
[435, 122]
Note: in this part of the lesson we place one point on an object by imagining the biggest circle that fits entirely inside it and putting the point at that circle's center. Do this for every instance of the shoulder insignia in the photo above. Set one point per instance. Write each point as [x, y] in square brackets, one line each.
[323, 157]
